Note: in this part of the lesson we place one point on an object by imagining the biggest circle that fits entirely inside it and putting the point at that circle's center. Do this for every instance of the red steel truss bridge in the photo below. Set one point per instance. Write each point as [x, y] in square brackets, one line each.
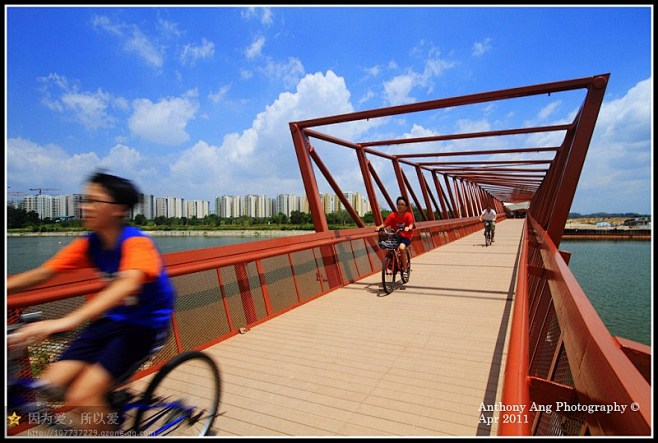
[480, 341]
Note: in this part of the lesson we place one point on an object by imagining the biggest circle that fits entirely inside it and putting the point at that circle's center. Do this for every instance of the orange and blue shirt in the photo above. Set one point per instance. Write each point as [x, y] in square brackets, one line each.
[153, 305]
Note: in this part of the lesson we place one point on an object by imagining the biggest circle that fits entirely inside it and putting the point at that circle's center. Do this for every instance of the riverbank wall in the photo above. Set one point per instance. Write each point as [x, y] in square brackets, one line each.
[606, 234]
[182, 233]
[584, 233]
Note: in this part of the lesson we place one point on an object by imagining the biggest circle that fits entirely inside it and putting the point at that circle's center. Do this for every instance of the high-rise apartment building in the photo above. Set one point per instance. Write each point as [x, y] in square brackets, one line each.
[227, 206]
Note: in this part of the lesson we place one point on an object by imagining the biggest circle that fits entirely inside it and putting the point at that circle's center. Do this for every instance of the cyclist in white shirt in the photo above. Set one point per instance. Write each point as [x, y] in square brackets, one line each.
[489, 216]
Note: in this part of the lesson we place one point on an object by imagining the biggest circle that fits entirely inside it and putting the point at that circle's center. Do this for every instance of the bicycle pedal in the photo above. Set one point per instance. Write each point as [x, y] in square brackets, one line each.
[194, 418]
[119, 397]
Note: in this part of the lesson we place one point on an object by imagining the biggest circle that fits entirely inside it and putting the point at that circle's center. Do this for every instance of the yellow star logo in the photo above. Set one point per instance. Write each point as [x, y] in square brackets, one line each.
[13, 419]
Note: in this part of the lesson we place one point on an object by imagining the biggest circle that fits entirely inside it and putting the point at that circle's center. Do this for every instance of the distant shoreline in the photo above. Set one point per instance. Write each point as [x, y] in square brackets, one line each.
[178, 233]
[572, 230]
[577, 234]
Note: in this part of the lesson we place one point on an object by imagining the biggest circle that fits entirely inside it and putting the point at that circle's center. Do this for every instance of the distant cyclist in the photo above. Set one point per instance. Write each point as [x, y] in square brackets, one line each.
[124, 320]
[489, 217]
[402, 219]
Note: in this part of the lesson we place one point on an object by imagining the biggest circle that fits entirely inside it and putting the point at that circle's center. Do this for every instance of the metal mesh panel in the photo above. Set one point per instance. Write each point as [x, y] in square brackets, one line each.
[35, 358]
[169, 350]
[538, 317]
[375, 254]
[381, 252]
[562, 371]
[232, 295]
[559, 423]
[308, 276]
[361, 257]
[346, 262]
[563, 423]
[244, 296]
[323, 268]
[280, 283]
[426, 239]
[435, 237]
[328, 264]
[438, 238]
[552, 338]
[574, 423]
[47, 351]
[256, 289]
[199, 309]
[30, 361]
[534, 293]
[547, 339]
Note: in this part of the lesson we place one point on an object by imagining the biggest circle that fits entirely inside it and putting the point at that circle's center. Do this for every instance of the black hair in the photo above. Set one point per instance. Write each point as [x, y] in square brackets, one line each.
[122, 191]
[406, 203]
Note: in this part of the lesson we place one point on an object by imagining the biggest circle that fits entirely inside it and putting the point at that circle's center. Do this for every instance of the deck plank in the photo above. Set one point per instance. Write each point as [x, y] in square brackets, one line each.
[358, 362]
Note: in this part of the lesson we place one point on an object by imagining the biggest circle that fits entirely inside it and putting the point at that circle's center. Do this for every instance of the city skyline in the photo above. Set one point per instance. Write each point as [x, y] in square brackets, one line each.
[196, 101]
[226, 206]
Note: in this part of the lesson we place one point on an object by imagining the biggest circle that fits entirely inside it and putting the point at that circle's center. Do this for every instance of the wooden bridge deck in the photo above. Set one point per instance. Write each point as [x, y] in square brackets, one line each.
[357, 362]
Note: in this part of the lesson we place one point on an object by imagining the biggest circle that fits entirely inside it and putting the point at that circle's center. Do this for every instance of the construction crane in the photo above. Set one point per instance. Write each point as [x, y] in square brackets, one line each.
[16, 194]
[43, 189]
[15, 197]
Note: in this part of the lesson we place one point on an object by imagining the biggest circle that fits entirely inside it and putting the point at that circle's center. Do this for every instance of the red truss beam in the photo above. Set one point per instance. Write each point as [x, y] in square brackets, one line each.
[480, 175]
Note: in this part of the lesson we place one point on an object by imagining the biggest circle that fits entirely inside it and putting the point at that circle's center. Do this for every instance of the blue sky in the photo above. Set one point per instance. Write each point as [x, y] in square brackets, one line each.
[194, 102]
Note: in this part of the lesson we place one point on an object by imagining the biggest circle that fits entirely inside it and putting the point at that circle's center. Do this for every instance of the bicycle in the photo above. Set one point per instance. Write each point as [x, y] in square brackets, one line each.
[488, 233]
[167, 406]
[392, 264]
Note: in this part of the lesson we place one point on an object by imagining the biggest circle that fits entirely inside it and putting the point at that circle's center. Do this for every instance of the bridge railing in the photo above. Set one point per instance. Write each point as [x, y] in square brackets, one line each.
[570, 375]
[223, 289]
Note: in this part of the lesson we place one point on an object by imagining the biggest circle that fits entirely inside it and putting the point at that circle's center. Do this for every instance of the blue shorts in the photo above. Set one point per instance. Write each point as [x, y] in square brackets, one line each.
[405, 240]
[117, 346]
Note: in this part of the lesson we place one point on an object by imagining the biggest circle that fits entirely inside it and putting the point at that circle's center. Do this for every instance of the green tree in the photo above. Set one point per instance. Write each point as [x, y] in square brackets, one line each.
[299, 218]
[20, 218]
[339, 218]
[140, 220]
[280, 218]
[368, 218]
[211, 220]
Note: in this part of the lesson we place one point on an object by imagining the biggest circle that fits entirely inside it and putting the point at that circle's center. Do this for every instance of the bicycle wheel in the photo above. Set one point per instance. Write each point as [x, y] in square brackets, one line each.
[405, 276]
[487, 237]
[182, 399]
[389, 269]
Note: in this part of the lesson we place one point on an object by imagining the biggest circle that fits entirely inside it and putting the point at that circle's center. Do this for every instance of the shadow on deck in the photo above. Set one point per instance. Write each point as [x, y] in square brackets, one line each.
[426, 360]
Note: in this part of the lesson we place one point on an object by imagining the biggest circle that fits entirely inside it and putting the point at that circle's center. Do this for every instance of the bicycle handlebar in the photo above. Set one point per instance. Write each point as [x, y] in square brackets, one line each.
[384, 229]
[24, 319]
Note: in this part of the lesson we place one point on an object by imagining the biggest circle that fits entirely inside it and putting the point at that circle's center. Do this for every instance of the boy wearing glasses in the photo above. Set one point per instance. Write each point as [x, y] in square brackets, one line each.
[125, 320]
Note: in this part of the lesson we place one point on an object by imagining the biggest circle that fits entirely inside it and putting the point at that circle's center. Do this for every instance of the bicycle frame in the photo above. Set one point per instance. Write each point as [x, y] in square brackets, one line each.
[154, 414]
[22, 391]
[488, 232]
[164, 408]
[392, 263]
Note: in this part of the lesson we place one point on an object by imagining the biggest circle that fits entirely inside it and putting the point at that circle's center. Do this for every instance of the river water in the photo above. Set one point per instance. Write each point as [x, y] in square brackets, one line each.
[616, 275]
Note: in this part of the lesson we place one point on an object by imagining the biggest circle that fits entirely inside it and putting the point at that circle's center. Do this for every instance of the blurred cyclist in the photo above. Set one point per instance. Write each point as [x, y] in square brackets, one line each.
[125, 319]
